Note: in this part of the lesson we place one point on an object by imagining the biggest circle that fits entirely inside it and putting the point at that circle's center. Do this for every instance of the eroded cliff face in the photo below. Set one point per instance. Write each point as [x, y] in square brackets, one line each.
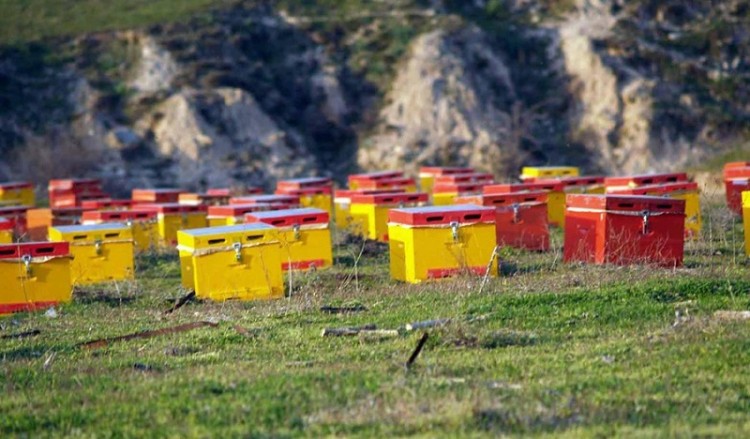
[449, 103]
[255, 94]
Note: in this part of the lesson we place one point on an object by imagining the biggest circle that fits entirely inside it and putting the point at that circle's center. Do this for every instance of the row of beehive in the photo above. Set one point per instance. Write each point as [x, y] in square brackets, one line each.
[322, 196]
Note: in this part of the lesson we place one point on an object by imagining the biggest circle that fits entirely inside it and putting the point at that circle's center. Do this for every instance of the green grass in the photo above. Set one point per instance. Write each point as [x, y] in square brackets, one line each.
[30, 20]
[547, 349]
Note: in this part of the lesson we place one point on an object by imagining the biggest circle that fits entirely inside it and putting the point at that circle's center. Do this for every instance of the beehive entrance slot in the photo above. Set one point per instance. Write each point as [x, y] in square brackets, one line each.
[111, 235]
[472, 216]
[216, 241]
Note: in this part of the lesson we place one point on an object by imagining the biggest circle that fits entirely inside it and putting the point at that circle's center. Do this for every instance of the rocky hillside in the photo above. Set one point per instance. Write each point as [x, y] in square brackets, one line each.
[252, 91]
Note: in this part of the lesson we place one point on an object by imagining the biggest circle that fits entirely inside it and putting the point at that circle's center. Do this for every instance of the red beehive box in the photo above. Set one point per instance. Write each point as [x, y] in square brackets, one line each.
[520, 218]
[356, 179]
[304, 183]
[77, 185]
[624, 229]
[17, 216]
[471, 177]
[505, 188]
[115, 216]
[39, 220]
[106, 203]
[644, 180]
[445, 170]
[164, 195]
[573, 182]
[407, 184]
[288, 201]
[318, 190]
[734, 188]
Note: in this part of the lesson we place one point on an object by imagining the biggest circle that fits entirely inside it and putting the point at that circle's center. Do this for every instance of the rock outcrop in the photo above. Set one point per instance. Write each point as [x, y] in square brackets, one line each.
[449, 104]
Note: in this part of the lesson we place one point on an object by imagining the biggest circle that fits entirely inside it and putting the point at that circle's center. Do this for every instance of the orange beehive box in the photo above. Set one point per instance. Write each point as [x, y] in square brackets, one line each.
[232, 214]
[106, 203]
[624, 229]
[613, 183]
[304, 183]
[160, 196]
[38, 221]
[74, 199]
[286, 201]
[355, 180]
[427, 174]
[520, 218]
[734, 188]
[78, 185]
[16, 215]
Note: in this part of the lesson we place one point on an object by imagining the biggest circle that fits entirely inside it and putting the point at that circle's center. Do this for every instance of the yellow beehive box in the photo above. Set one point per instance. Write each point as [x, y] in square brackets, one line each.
[101, 252]
[6, 231]
[304, 234]
[746, 219]
[427, 175]
[313, 197]
[17, 192]
[369, 212]
[441, 241]
[35, 275]
[232, 262]
[445, 194]
[355, 180]
[142, 224]
[173, 217]
[546, 172]
[687, 191]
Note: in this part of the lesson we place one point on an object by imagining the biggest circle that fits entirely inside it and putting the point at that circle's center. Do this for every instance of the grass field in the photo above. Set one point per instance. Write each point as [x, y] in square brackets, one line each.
[546, 349]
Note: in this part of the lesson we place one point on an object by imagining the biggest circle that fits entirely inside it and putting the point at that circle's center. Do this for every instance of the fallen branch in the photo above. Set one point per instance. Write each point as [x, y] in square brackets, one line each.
[181, 302]
[25, 334]
[346, 331]
[426, 324]
[417, 350]
[102, 342]
[342, 309]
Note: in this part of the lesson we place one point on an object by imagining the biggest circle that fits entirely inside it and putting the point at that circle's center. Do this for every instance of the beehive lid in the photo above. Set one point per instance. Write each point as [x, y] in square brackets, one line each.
[6, 224]
[457, 188]
[556, 186]
[103, 227]
[646, 179]
[625, 203]
[73, 183]
[105, 202]
[8, 185]
[290, 217]
[237, 209]
[390, 199]
[499, 200]
[369, 176]
[574, 181]
[173, 208]
[118, 215]
[658, 189]
[737, 171]
[442, 215]
[733, 182]
[227, 230]
[14, 210]
[319, 190]
[444, 170]
[348, 193]
[473, 177]
[266, 199]
[34, 249]
[301, 183]
[388, 182]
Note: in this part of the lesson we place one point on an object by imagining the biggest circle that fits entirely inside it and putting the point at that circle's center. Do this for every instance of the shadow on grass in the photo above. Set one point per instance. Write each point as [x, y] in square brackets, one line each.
[507, 268]
[109, 298]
